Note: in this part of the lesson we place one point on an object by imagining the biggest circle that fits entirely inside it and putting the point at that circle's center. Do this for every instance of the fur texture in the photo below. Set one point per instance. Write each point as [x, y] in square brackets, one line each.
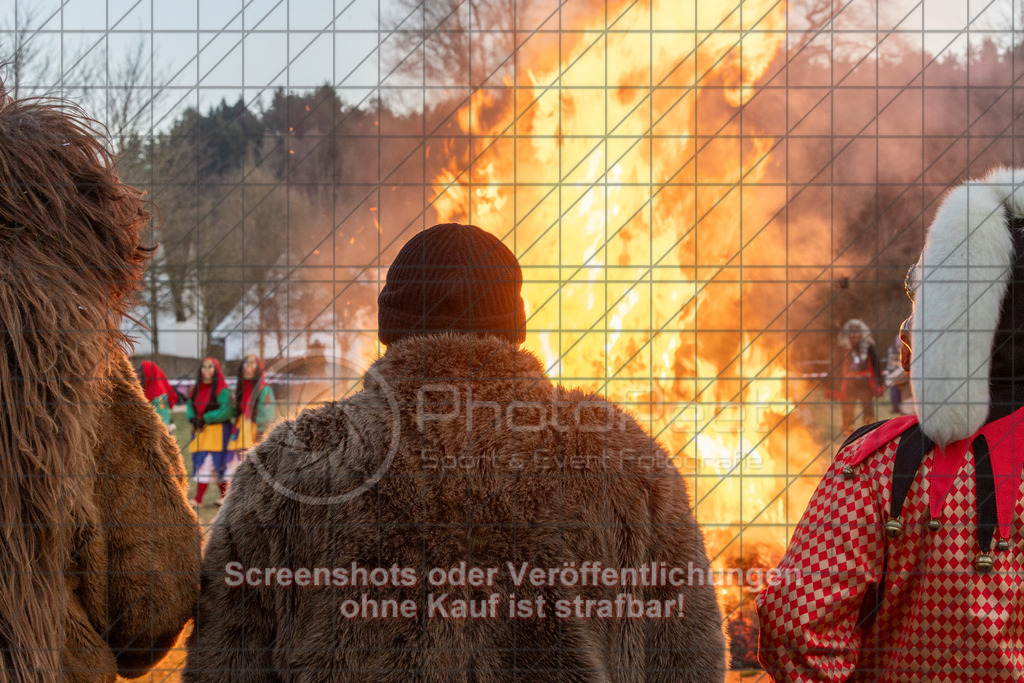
[959, 286]
[477, 478]
[70, 258]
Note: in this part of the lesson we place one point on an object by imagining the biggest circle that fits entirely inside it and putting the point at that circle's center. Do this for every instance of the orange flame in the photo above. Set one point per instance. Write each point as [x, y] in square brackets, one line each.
[624, 182]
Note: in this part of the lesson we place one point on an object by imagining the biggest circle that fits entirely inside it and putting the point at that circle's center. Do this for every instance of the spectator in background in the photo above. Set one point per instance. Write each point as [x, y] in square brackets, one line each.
[99, 557]
[861, 374]
[158, 391]
[256, 412]
[211, 409]
[898, 381]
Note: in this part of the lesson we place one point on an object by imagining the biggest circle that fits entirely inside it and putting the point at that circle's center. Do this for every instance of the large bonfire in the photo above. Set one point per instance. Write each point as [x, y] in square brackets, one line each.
[650, 245]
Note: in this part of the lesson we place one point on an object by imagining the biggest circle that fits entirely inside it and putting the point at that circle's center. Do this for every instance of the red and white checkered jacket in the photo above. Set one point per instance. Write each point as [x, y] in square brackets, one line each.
[938, 616]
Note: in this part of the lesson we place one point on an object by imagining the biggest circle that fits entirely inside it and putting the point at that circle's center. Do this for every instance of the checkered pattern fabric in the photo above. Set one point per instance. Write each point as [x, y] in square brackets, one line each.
[940, 618]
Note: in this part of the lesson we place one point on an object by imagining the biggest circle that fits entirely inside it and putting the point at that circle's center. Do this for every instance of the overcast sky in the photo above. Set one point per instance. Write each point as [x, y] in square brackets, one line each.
[206, 50]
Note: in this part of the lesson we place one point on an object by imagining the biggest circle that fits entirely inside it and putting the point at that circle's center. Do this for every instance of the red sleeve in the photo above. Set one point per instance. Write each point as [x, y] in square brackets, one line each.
[808, 613]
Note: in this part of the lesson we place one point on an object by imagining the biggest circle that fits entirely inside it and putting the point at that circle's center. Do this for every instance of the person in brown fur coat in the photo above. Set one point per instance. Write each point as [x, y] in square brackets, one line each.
[459, 458]
[100, 554]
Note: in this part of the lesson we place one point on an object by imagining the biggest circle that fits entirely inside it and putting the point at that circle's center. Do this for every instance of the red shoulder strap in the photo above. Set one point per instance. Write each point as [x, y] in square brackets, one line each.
[877, 438]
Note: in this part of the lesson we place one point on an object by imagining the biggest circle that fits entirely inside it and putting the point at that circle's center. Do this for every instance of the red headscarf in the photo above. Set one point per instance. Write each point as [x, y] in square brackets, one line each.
[155, 383]
[250, 388]
[203, 393]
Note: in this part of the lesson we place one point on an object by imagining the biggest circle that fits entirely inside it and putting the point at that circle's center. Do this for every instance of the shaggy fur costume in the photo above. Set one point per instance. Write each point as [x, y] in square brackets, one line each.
[99, 555]
[133, 577]
[492, 463]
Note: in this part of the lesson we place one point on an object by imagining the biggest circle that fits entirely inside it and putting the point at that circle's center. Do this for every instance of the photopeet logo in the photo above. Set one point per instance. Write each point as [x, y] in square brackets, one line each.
[333, 383]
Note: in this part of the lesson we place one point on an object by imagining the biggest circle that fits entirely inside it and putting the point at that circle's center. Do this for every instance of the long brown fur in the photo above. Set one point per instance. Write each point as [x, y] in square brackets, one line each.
[70, 258]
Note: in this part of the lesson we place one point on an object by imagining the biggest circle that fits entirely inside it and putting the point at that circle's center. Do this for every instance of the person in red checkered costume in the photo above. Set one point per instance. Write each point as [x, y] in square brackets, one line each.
[908, 564]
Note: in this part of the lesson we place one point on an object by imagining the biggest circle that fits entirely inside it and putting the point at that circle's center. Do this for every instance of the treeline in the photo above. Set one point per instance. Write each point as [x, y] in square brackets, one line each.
[281, 213]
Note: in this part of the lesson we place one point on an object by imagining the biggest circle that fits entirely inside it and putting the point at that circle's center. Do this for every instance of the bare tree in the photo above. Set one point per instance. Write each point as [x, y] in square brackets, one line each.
[241, 242]
[129, 96]
[30, 66]
[37, 68]
[453, 42]
[115, 89]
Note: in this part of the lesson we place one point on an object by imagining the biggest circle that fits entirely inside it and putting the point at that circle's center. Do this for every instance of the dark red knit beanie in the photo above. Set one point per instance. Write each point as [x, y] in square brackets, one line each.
[452, 277]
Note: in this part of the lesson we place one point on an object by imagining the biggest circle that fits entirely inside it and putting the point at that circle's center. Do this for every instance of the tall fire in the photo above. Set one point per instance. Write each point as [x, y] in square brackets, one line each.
[618, 169]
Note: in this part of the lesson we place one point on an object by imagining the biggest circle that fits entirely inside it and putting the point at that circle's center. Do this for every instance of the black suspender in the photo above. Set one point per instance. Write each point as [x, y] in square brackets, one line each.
[861, 431]
[985, 499]
[909, 454]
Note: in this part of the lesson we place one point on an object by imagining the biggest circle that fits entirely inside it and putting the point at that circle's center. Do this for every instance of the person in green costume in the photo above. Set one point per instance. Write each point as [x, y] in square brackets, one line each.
[159, 391]
[211, 410]
[256, 411]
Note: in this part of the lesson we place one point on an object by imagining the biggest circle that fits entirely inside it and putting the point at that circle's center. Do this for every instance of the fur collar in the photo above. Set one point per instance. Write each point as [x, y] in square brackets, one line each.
[959, 284]
[495, 368]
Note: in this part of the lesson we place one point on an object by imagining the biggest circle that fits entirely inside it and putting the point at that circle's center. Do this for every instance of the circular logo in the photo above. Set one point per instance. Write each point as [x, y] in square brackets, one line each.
[317, 381]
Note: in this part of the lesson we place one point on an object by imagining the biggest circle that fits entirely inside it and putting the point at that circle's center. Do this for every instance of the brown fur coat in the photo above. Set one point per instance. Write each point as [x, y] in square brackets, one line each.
[99, 550]
[582, 483]
[133, 580]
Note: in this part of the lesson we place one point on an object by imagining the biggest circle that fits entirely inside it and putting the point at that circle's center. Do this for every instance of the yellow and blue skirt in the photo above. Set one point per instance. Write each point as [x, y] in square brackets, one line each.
[243, 436]
[210, 461]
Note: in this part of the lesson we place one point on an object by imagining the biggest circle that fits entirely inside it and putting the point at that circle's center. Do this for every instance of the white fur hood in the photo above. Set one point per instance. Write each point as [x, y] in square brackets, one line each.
[959, 285]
